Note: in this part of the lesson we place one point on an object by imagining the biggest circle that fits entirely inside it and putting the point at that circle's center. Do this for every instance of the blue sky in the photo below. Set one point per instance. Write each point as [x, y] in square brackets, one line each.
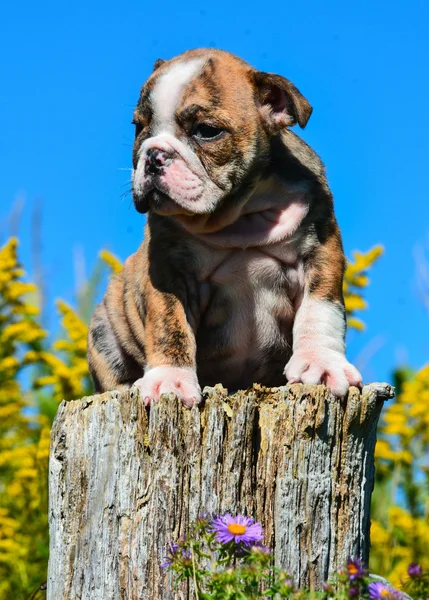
[71, 74]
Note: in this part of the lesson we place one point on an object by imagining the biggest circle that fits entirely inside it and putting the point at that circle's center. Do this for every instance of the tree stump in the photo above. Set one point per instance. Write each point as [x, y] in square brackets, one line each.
[125, 480]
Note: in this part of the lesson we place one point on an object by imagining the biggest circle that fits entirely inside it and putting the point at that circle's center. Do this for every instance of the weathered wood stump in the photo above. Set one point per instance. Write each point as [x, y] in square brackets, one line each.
[124, 481]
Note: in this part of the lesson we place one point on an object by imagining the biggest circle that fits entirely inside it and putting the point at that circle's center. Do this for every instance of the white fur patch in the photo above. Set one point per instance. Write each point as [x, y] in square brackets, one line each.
[170, 144]
[180, 381]
[273, 213]
[319, 348]
[168, 91]
[319, 323]
[185, 180]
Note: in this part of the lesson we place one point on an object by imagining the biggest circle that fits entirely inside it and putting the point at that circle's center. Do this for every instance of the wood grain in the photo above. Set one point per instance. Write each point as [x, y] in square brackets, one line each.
[125, 480]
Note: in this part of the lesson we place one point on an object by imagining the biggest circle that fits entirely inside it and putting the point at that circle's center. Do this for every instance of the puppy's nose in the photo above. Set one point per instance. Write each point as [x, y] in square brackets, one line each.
[156, 160]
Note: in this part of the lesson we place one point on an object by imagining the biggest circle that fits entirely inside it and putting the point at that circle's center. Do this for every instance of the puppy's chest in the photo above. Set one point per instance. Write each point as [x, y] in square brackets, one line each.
[248, 300]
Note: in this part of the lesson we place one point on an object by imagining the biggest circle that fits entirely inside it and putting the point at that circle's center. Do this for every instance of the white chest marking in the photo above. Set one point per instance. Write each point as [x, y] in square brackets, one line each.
[260, 292]
[168, 91]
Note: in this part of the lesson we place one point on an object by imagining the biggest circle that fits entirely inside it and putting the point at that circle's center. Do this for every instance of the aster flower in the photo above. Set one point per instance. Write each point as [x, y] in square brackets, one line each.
[238, 529]
[259, 547]
[176, 553]
[355, 569]
[203, 517]
[380, 591]
[172, 549]
[415, 570]
[203, 521]
[353, 592]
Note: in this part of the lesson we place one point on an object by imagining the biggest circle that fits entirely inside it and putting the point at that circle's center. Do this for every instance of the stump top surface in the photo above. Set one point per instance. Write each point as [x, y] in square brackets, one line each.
[377, 391]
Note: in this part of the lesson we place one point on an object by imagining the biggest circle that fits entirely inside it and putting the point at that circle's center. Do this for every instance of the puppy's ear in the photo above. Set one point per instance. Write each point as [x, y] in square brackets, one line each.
[158, 63]
[281, 104]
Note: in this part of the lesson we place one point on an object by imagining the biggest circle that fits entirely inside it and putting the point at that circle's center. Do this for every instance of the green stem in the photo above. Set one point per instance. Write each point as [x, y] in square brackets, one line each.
[194, 572]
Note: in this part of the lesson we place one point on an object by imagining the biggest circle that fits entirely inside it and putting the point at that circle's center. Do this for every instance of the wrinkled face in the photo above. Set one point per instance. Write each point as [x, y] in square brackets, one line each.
[201, 144]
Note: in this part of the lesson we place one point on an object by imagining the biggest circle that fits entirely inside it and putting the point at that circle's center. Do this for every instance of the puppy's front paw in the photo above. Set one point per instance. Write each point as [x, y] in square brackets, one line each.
[323, 366]
[180, 381]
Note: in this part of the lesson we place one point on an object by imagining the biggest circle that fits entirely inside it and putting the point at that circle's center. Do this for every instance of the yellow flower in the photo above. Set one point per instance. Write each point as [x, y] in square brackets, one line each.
[31, 357]
[354, 302]
[383, 450]
[8, 546]
[6, 412]
[10, 363]
[16, 289]
[403, 437]
[355, 323]
[23, 331]
[355, 279]
[112, 261]
[43, 446]
[26, 309]
[26, 473]
[379, 535]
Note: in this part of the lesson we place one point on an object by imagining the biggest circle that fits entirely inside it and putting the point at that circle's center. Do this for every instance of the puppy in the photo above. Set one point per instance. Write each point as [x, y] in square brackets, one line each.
[239, 277]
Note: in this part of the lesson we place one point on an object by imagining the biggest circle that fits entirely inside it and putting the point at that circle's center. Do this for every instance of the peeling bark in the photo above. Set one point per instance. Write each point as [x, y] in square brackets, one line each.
[124, 481]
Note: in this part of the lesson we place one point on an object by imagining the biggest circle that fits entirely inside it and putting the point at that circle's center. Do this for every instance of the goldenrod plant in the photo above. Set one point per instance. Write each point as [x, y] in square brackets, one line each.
[24, 438]
[355, 280]
[37, 371]
[400, 527]
[112, 261]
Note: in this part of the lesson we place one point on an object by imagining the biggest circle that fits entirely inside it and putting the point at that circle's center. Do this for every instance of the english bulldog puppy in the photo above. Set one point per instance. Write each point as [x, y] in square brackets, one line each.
[239, 277]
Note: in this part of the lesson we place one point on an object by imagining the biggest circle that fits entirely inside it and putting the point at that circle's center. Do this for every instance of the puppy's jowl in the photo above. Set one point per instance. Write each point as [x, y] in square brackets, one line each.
[239, 277]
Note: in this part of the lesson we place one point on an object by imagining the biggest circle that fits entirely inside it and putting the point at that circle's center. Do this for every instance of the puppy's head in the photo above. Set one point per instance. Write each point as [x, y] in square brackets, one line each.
[203, 124]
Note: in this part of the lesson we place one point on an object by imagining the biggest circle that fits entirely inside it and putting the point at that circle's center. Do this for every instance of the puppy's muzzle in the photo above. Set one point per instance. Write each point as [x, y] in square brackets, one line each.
[156, 161]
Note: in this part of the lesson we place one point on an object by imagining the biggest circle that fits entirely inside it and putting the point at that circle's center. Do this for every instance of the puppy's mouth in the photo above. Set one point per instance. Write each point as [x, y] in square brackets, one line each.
[159, 202]
[162, 204]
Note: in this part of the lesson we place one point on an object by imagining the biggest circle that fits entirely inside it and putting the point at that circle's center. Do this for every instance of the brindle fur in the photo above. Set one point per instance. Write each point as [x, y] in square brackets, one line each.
[181, 302]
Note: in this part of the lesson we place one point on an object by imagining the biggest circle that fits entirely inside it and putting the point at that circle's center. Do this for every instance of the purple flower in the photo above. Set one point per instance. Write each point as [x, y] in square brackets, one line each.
[203, 521]
[242, 550]
[171, 555]
[355, 569]
[203, 517]
[380, 591]
[353, 592]
[415, 570]
[176, 553]
[259, 547]
[289, 584]
[237, 529]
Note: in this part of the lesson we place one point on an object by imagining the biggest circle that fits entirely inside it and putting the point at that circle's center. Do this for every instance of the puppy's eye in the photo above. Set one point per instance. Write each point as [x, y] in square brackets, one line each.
[139, 127]
[207, 132]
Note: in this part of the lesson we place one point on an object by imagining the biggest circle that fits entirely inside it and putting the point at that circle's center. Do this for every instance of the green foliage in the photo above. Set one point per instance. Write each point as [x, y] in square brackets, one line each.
[233, 567]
